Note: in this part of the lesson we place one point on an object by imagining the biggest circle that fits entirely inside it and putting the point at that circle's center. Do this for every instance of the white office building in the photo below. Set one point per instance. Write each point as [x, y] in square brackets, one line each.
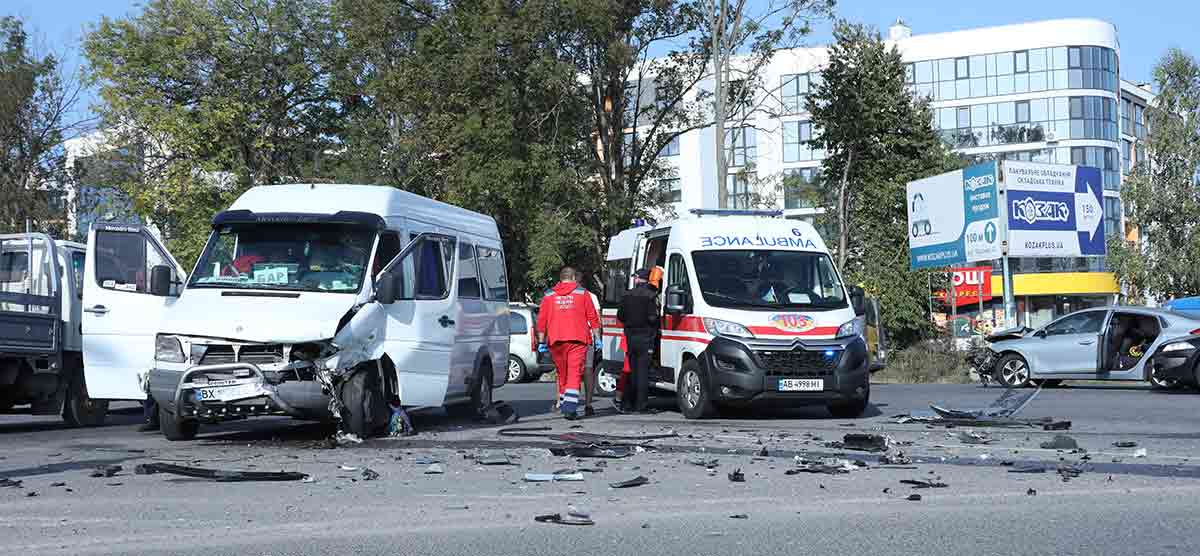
[1048, 91]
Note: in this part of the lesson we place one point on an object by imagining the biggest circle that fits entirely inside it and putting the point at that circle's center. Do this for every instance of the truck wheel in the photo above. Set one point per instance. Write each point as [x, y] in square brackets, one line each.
[366, 409]
[175, 428]
[851, 409]
[1012, 371]
[695, 401]
[516, 370]
[78, 409]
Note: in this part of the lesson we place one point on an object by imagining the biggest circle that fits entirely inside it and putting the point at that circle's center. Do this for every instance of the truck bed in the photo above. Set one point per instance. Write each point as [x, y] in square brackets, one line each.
[28, 332]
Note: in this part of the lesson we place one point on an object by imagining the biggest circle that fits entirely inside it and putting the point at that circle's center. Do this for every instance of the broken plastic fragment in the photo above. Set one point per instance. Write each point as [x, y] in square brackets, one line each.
[705, 463]
[636, 481]
[434, 469]
[347, 468]
[219, 474]
[551, 477]
[369, 474]
[865, 442]
[105, 471]
[914, 498]
[917, 483]
[1140, 453]
[1060, 442]
[346, 438]
[1027, 468]
[592, 451]
[9, 483]
[739, 516]
[559, 519]
[1125, 444]
[968, 437]
[1031, 492]
[737, 476]
[501, 413]
[494, 459]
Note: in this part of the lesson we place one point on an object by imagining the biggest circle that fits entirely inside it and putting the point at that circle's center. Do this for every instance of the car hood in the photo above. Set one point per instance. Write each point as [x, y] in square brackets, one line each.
[1008, 334]
[255, 316]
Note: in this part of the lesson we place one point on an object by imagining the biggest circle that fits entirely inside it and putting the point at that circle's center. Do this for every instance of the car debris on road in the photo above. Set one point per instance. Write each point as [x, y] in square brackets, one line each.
[106, 471]
[219, 475]
[634, 482]
[1060, 442]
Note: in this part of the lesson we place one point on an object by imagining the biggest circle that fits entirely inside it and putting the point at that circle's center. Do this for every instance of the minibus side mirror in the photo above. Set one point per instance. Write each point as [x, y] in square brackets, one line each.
[677, 301]
[160, 281]
[858, 301]
[385, 289]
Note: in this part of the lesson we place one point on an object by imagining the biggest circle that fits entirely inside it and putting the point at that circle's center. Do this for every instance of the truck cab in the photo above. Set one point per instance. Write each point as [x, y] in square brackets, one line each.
[319, 302]
[754, 311]
[41, 298]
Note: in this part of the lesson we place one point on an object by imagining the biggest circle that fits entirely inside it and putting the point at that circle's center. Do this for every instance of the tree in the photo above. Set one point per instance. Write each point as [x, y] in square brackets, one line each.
[1162, 196]
[36, 98]
[211, 97]
[877, 137]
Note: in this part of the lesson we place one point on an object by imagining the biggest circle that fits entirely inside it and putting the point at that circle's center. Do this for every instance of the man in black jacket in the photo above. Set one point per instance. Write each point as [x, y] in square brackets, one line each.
[639, 316]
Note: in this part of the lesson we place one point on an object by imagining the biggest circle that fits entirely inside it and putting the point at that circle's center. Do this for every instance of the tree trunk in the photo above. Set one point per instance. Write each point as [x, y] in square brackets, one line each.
[843, 226]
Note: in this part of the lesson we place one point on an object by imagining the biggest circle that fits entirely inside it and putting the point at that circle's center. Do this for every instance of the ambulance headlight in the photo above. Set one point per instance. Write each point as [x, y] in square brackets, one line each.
[852, 328]
[718, 327]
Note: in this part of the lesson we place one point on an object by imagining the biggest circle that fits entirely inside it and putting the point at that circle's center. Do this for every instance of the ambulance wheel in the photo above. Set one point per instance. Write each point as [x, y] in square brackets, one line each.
[695, 400]
[174, 428]
[79, 410]
[606, 383]
[365, 409]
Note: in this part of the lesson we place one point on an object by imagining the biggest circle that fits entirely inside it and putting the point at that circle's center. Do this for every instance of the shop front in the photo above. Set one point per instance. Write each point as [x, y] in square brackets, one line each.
[1040, 298]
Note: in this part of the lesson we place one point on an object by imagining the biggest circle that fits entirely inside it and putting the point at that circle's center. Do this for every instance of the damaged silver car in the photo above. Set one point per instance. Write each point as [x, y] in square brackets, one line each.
[313, 301]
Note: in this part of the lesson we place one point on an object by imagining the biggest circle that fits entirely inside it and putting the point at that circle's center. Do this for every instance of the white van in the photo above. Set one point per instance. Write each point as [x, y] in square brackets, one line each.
[313, 301]
[754, 310]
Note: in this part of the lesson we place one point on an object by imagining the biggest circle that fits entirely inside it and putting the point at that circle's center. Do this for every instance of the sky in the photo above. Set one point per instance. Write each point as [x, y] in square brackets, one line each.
[1146, 30]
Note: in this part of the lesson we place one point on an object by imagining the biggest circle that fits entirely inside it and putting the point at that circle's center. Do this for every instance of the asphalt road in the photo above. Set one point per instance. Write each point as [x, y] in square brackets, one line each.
[1120, 504]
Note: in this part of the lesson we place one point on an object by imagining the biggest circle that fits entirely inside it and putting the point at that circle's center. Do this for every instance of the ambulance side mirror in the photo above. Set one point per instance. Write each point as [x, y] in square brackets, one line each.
[677, 301]
[858, 301]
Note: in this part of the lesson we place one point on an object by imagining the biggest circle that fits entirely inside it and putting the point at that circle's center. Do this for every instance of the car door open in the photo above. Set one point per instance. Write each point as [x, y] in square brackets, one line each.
[130, 281]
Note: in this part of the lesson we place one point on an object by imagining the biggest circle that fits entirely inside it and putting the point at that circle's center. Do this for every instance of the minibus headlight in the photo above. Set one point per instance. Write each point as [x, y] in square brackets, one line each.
[852, 328]
[718, 327]
[168, 349]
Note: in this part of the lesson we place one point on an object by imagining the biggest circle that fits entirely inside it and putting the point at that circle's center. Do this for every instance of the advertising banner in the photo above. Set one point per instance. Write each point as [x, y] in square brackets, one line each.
[969, 284]
[954, 217]
[1054, 210]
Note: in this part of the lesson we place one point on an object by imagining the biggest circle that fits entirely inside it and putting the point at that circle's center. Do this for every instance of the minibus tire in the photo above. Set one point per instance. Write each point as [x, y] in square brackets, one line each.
[366, 409]
[703, 406]
[175, 428]
[78, 409]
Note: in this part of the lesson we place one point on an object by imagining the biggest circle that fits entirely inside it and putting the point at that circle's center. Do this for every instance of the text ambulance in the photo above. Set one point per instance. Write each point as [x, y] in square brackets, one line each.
[754, 310]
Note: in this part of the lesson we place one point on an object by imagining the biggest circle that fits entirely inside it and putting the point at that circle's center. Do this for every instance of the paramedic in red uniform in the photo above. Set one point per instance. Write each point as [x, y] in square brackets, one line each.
[567, 324]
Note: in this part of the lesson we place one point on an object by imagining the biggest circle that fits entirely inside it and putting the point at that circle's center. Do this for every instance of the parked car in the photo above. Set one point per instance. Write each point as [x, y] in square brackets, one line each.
[1103, 343]
[525, 364]
[1178, 361]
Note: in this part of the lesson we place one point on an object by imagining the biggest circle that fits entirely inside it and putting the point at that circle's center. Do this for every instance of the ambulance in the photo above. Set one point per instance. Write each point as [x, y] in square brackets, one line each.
[754, 313]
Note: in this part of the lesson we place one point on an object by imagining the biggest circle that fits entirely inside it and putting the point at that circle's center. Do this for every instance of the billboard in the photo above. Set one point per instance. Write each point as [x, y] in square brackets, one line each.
[954, 217]
[1054, 210]
[969, 285]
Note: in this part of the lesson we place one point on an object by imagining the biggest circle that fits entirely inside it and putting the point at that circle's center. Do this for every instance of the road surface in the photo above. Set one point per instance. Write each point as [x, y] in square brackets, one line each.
[1120, 504]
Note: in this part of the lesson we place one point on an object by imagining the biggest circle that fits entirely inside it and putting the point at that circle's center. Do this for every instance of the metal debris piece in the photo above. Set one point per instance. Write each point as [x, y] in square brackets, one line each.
[501, 413]
[560, 520]
[828, 466]
[592, 451]
[426, 460]
[219, 474]
[898, 458]
[551, 477]
[434, 469]
[1031, 492]
[347, 468]
[737, 476]
[5, 482]
[1060, 442]
[105, 471]
[705, 463]
[864, 442]
[494, 459]
[1068, 472]
[31, 494]
[346, 439]
[762, 453]
[1140, 453]
[1027, 468]
[918, 483]
[914, 498]
[369, 474]
[1011, 402]
[1057, 426]
[1125, 444]
[636, 481]
[739, 516]
[976, 438]
[58, 484]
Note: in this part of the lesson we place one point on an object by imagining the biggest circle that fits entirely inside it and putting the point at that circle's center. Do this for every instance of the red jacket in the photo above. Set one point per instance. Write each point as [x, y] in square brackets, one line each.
[567, 314]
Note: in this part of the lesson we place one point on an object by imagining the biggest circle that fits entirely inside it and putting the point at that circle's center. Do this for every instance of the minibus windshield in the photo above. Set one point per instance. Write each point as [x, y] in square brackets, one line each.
[301, 257]
[768, 279]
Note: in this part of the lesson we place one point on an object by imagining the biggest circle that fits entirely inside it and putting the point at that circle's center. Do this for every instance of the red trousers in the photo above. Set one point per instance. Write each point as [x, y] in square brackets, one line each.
[568, 360]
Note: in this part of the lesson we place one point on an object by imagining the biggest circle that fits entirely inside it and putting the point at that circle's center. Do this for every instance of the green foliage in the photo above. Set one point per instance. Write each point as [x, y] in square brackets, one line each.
[1161, 196]
[932, 361]
[34, 100]
[215, 96]
[879, 137]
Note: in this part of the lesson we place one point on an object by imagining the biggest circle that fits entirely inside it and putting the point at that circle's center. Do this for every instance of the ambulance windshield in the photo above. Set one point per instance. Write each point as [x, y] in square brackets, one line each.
[768, 279]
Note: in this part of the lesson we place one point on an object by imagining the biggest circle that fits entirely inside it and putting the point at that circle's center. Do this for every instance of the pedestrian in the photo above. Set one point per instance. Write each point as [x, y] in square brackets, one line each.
[639, 315]
[593, 359]
[567, 326]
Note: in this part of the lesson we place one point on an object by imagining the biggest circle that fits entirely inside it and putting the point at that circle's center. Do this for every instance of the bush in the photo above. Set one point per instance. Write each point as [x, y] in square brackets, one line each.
[926, 362]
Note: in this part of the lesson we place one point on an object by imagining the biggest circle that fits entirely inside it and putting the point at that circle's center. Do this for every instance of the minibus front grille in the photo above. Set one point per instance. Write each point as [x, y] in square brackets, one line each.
[262, 354]
[799, 363]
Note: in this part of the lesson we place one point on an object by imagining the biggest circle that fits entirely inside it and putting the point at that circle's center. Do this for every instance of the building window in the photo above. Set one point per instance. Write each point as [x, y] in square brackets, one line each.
[1078, 156]
[1021, 61]
[737, 192]
[961, 68]
[631, 103]
[796, 138]
[665, 95]
[740, 148]
[794, 89]
[739, 97]
[1023, 112]
[671, 148]
[671, 189]
[800, 188]
[1139, 121]
[1074, 57]
[910, 74]
[1126, 116]
[1126, 156]
[1112, 216]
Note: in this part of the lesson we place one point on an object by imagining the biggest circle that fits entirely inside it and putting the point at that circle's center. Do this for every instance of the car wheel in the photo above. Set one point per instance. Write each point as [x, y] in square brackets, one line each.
[606, 383]
[516, 370]
[852, 409]
[79, 410]
[695, 401]
[174, 428]
[1162, 383]
[366, 411]
[1012, 371]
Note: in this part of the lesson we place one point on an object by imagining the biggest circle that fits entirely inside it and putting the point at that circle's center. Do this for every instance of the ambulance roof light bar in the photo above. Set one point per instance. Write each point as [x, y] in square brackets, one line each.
[736, 212]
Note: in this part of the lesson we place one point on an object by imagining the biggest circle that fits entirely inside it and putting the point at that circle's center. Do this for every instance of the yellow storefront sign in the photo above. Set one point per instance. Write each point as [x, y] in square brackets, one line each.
[1058, 283]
